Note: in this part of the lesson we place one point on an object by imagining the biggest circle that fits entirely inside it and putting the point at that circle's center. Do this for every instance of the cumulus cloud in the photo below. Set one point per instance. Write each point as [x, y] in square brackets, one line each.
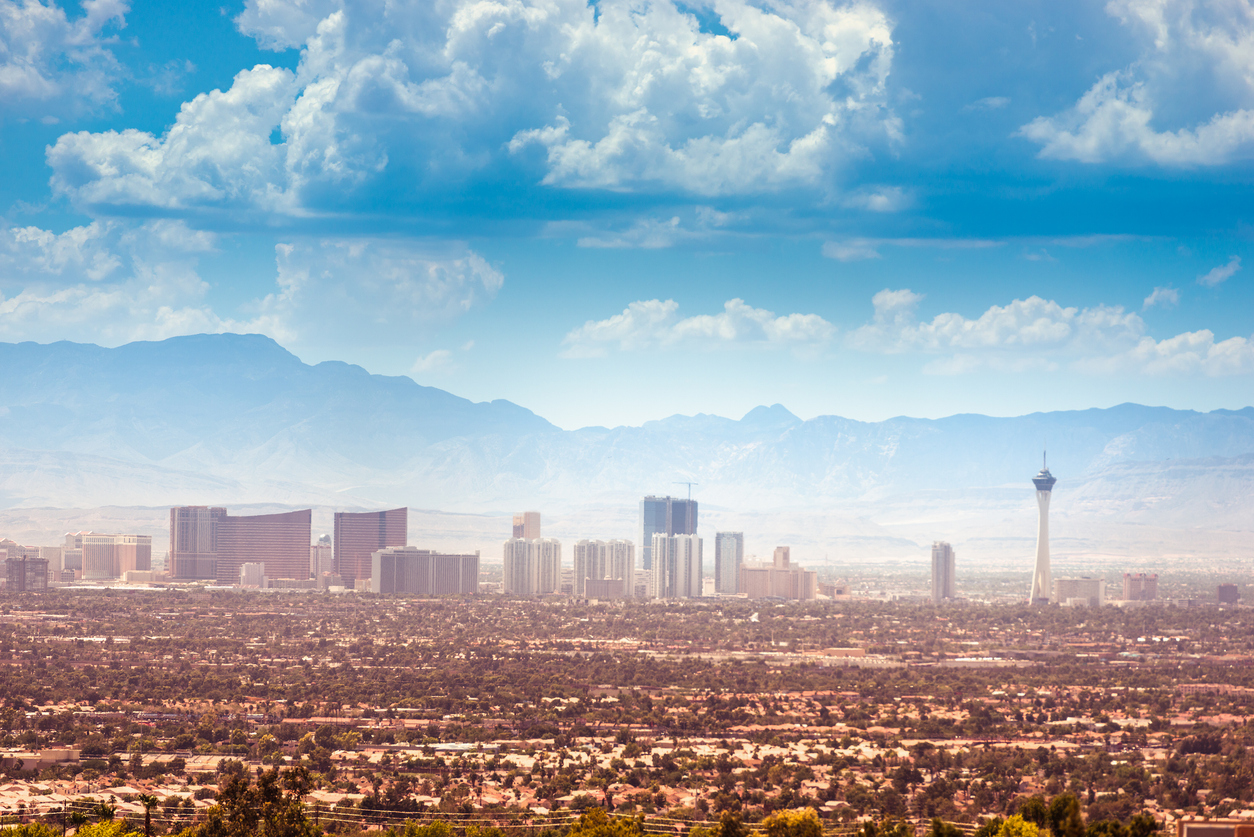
[1222, 273]
[375, 286]
[1162, 298]
[52, 66]
[104, 283]
[614, 95]
[650, 233]
[1196, 69]
[1039, 334]
[112, 283]
[656, 324]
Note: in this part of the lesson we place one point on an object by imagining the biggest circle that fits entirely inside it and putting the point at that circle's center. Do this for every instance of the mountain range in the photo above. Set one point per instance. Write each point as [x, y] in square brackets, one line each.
[237, 419]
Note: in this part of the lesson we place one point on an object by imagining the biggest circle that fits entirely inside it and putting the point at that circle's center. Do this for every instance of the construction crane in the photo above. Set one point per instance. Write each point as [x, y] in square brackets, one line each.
[689, 484]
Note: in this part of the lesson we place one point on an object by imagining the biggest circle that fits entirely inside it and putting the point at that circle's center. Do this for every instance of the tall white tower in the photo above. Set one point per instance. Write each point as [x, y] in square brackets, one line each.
[1041, 584]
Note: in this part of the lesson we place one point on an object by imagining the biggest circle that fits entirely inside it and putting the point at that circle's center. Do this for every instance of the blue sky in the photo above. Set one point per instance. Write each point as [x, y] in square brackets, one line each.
[614, 211]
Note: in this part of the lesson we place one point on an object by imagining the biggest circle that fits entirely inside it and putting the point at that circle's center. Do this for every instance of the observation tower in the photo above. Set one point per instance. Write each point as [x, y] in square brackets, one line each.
[1042, 586]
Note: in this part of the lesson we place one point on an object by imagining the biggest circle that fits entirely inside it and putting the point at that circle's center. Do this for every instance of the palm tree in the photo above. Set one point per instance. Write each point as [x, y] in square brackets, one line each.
[104, 812]
[149, 802]
[77, 819]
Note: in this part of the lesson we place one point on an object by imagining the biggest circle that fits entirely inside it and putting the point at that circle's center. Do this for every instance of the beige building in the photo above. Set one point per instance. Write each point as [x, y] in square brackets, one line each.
[532, 567]
[1079, 592]
[106, 557]
[779, 579]
[1140, 587]
[597, 561]
[677, 567]
[527, 526]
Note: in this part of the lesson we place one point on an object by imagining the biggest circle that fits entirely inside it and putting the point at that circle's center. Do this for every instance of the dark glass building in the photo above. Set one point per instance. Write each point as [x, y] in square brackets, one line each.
[664, 516]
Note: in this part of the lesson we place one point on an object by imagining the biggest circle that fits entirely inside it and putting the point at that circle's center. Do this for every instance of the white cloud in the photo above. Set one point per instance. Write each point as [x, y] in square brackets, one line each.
[1222, 273]
[375, 286]
[1191, 353]
[988, 103]
[1196, 70]
[854, 249]
[52, 66]
[435, 362]
[112, 283]
[651, 233]
[655, 324]
[1162, 298]
[879, 199]
[615, 95]
[1039, 334]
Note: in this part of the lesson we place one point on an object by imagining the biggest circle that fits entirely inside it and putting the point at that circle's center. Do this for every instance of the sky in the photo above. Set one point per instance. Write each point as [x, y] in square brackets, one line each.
[612, 211]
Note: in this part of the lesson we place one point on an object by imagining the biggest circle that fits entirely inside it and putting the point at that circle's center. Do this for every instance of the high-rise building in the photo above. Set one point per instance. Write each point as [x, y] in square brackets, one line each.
[194, 542]
[1041, 586]
[358, 535]
[252, 575]
[532, 567]
[597, 561]
[423, 572]
[1229, 594]
[321, 557]
[666, 516]
[52, 554]
[109, 556]
[72, 552]
[677, 567]
[1089, 592]
[527, 526]
[280, 541]
[943, 582]
[779, 579]
[729, 555]
[1139, 587]
[25, 573]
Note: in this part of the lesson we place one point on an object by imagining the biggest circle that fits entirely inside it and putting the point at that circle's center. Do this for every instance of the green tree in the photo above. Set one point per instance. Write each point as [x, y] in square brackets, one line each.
[596, 823]
[149, 802]
[802, 822]
[940, 828]
[1017, 826]
[1064, 816]
[255, 809]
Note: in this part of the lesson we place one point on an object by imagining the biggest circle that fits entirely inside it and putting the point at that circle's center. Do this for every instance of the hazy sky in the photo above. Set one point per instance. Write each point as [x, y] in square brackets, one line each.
[616, 210]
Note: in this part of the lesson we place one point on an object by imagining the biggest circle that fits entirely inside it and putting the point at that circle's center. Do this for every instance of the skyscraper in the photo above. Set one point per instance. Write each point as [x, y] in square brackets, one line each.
[279, 541]
[608, 561]
[667, 516]
[676, 570]
[943, 582]
[729, 554]
[407, 569]
[1042, 587]
[193, 542]
[527, 525]
[358, 535]
[109, 556]
[532, 567]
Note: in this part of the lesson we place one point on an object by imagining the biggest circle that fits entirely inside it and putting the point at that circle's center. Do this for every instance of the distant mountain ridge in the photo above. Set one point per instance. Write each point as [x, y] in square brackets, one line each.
[236, 418]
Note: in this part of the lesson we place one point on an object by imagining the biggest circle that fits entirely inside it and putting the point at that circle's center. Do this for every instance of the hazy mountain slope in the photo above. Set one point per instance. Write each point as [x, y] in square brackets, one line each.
[237, 419]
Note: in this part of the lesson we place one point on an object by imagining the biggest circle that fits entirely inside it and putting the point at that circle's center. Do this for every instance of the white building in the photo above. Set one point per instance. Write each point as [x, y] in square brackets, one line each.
[321, 557]
[676, 570]
[943, 582]
[729, 554]
[598, 561]
[253, 575]
[1080, 592]
[532, 567]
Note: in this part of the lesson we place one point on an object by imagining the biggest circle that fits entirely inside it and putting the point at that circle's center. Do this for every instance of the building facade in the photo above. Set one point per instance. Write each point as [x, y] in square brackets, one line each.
[358, 535]
[779, 579]
[107, 557]
[729, 555]
[321, 557]
[280, 541]
[666, 516]
[1139, 587]
[1229, 594]
[527, 525]
[253, 575]
[408, 570]
[605, 561]
[677, 567]
[194, 542]
[532, 567]
[25, 574]
[944, 584]
[1080, 592]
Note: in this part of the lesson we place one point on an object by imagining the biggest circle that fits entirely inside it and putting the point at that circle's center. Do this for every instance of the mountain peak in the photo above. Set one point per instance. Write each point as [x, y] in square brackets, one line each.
[776, 415]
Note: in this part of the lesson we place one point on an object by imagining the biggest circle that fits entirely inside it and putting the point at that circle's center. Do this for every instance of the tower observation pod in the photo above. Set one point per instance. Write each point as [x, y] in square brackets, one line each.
[1042, 586]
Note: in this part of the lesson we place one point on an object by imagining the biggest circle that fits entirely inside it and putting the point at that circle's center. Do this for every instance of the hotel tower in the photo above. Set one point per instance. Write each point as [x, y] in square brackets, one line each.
[1041, 585]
